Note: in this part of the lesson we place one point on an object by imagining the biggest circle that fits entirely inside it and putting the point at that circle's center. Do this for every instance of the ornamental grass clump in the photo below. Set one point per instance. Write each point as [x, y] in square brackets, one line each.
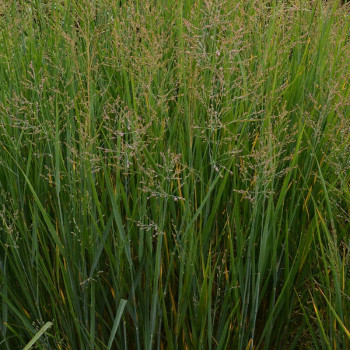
[174, 174]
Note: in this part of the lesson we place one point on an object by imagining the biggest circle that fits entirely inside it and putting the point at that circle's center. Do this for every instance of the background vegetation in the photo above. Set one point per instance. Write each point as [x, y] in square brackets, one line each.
[174, 174]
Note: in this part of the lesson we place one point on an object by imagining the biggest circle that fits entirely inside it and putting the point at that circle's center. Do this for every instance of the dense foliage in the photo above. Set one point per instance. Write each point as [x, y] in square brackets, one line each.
[174, 174]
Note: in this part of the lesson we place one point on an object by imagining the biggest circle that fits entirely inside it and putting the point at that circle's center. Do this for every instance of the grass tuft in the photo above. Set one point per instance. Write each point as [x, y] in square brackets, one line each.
[174, 174]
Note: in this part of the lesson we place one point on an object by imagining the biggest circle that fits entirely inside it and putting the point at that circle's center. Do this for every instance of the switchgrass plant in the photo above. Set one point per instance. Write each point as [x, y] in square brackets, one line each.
[174, 174]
